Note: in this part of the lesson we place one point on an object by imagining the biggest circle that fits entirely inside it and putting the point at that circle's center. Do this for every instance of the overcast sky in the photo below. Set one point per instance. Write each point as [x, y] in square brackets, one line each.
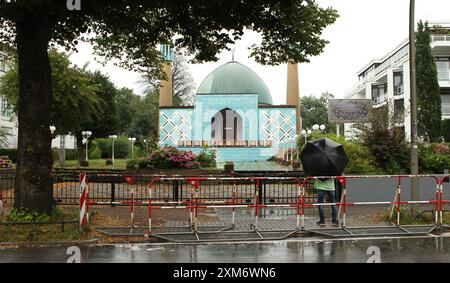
[365, 30]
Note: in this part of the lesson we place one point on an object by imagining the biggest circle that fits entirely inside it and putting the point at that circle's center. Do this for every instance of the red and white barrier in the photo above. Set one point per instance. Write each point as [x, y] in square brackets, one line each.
[84, 200]
[441, 199]
[130, 181]
[194, 203]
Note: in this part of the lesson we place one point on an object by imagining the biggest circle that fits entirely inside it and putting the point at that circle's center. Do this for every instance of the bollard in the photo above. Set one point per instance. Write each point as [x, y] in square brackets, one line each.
[113, 194]
[175, 189]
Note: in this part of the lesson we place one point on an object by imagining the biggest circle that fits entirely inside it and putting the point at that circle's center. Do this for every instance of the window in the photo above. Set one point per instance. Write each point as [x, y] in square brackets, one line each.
[5, 108]
[379, 93]
[398, 83]
[443, 68]
[445, 105]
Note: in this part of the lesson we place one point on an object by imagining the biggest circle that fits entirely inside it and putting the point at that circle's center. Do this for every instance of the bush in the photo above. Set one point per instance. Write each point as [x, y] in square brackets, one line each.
[18, 215]
[94, 151]
[140, 152]
[360, 158]
[122, 147]
[171, 157]
[105, 146]
[207, 159]
[11, 153]
[132, 163]
[385, 141]
[71, 154]
[434, 158]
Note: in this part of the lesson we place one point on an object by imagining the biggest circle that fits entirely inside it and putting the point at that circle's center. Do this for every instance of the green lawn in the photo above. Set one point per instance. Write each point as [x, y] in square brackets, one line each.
[96, 163]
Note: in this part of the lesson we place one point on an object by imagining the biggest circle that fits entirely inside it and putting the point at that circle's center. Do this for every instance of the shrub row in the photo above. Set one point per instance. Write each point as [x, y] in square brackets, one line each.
[173, 158]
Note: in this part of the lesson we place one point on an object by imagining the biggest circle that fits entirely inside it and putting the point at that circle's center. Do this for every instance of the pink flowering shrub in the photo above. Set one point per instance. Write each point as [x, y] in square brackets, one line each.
[442, 148]
[434, 159]
[171, 157]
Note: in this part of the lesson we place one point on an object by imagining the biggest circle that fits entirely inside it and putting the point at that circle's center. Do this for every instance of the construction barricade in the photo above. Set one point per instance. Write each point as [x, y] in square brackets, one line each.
[196, 196]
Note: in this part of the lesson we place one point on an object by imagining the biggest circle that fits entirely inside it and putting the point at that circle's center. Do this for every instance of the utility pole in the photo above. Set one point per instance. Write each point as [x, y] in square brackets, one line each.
[414, 147]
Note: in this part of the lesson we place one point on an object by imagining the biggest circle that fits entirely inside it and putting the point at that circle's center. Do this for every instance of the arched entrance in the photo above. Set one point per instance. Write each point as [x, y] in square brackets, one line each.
[226, 127]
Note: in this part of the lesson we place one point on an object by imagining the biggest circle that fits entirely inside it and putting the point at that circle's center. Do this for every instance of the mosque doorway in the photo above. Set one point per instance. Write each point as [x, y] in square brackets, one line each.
[226, 127]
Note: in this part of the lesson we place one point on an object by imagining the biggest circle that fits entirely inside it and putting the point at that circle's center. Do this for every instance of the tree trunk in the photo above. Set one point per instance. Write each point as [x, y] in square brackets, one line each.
[81, 148]
[33, 188]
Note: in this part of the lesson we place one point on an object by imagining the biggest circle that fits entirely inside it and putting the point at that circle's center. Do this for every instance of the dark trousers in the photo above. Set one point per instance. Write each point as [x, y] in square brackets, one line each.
[332, 198]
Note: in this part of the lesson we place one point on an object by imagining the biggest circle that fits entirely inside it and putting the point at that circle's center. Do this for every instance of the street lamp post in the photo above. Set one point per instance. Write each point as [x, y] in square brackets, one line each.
[86, 135]
[306, 134]
[132, 140]
[52, 130]
[295, 145]
[113, 138]
[413, 103]
[146, 147]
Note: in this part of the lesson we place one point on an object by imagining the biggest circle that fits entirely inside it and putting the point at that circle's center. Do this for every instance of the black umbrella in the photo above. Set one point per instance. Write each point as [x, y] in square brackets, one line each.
[324, 157]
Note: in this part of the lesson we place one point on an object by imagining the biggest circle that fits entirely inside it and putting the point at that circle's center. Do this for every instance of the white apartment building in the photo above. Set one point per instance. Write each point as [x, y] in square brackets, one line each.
[9, 122]
[387, 80]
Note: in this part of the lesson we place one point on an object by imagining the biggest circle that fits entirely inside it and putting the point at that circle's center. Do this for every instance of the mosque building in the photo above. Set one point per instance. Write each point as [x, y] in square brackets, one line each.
[233, 114]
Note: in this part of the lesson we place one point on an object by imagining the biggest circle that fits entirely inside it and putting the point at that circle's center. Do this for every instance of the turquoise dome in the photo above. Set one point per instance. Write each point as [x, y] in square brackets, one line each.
[235, 78]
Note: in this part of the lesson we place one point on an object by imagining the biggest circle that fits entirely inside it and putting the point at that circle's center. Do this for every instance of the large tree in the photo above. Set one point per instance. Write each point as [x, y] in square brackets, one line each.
[75, 94]
[183, 81]
[428, 90]
[129, 31]
[82, 100]
[105, 122]
[314, 111]
[183, 85]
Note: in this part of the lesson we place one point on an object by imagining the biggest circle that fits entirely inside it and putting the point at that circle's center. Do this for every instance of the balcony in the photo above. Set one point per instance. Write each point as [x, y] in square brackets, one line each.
[379, 100]
[440, 44]
[399, 91]
[440, 38]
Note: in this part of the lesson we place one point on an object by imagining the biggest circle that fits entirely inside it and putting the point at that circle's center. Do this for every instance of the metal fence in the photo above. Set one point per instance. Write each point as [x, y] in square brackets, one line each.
[109, 188]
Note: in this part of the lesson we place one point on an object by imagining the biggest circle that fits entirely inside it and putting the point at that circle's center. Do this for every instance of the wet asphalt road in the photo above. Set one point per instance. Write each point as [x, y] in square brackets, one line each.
[408, 250]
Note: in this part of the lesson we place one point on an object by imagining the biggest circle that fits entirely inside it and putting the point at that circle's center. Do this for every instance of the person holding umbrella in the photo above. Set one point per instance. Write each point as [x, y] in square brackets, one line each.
[325, 187]
[324, 157]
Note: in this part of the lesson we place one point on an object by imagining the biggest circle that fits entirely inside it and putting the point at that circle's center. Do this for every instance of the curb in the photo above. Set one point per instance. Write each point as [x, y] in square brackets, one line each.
[48, 244]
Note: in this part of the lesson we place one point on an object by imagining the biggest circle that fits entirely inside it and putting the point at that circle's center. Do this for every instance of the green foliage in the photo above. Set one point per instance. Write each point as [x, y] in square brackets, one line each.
[290, 31]
[75, 96]
[172, 158]
[17, 215]
[104, 123]
[434, 158]
[11, 153]
[140, 152]
[105, 146]
[408, 216]
[94, 151]
[207, 159]
[315, 111]
[122, 147]
[385, 142]
[428, 90]
[361, 160]
[132, 163]
[71, 154]
[130, 32]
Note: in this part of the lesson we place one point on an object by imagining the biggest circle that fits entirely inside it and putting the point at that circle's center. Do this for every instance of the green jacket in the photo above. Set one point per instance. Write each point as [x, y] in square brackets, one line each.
[326, 185]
